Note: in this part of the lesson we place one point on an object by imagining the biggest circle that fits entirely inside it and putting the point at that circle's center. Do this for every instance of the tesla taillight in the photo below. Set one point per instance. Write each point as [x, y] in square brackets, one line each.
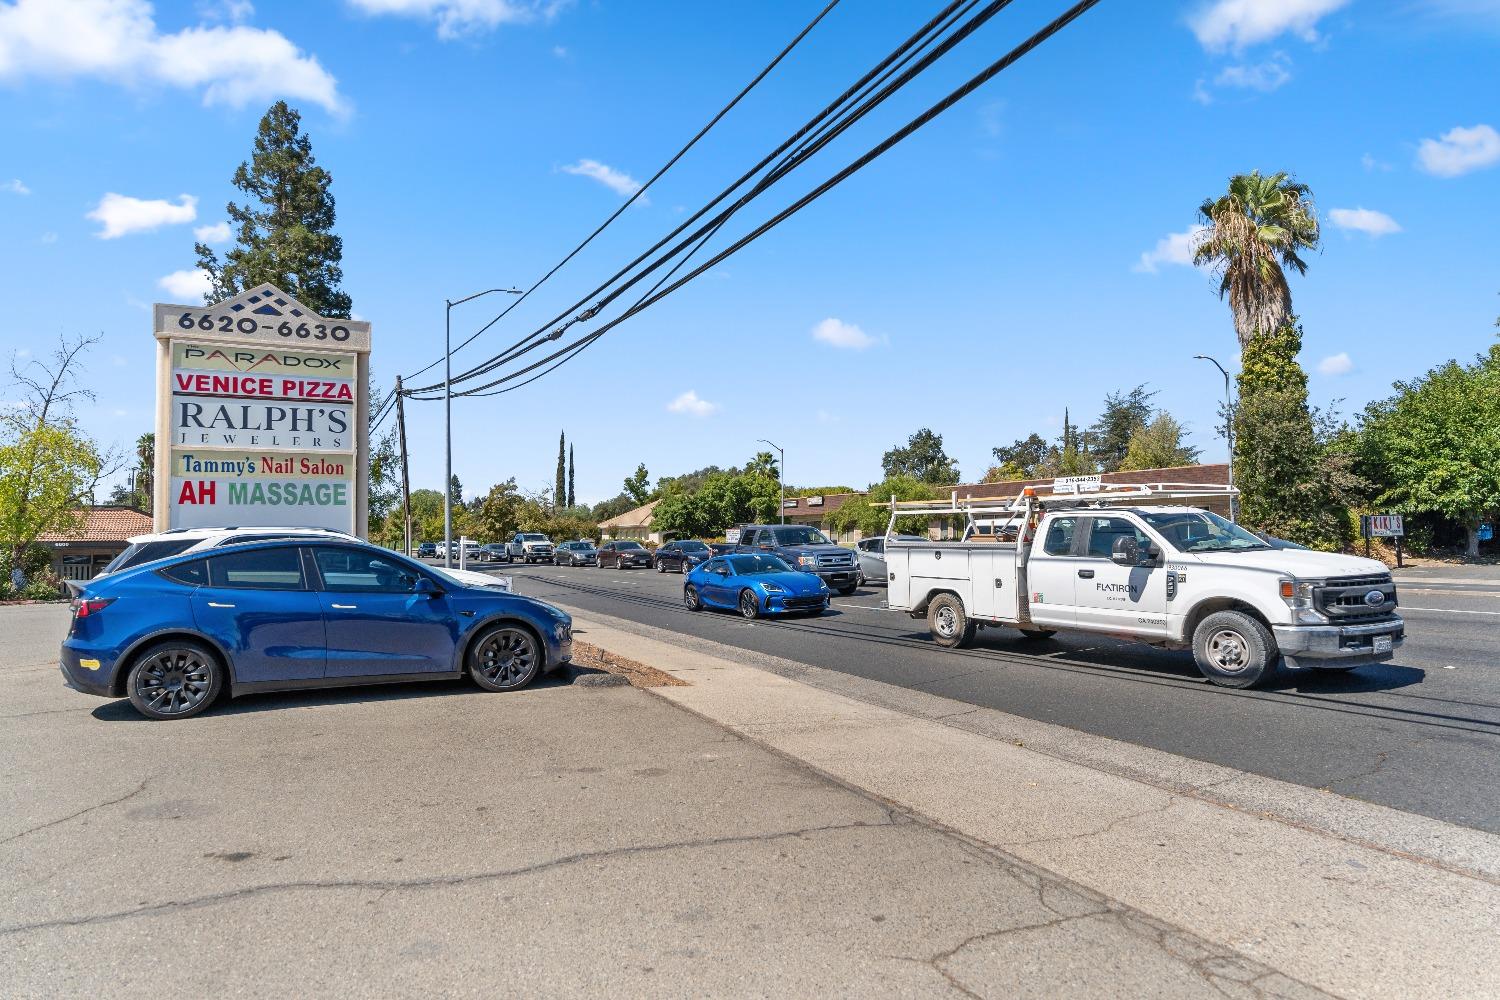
[82, 608]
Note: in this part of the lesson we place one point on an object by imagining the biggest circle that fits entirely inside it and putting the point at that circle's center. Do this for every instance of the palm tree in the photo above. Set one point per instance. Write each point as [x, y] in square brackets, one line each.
[145, 453]
[1252, 234]
[764, 463]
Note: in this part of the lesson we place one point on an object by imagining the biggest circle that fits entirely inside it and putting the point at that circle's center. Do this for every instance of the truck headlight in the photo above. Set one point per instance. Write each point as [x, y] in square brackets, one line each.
[1298, 595]
[810, 562]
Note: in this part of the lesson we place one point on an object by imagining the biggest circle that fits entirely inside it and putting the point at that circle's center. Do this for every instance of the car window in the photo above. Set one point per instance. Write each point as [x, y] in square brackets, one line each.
[799, 535]
[144, 552]
[362, 571]
[1104, 530]
[747, 538]
[193, 574]
[258, 569]
[1060, 536]
[630, 545]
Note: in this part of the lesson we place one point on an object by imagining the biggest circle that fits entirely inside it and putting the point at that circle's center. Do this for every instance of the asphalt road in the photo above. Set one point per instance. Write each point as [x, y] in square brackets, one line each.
[1420, 733]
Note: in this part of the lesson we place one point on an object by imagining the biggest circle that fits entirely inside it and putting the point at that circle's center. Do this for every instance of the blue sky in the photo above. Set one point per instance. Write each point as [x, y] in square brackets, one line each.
[1014, 258]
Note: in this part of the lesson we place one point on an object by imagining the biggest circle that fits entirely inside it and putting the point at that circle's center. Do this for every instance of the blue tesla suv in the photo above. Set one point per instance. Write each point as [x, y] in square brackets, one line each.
[754, 585]
[173, 634]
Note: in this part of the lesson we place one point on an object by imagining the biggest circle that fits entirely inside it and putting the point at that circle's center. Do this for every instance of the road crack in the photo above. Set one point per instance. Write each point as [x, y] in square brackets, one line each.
[82, 812]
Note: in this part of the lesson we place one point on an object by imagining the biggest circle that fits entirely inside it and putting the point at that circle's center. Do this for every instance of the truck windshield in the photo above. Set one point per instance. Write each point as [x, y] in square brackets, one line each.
[1203, 531]
[533, 538]
[801, 536]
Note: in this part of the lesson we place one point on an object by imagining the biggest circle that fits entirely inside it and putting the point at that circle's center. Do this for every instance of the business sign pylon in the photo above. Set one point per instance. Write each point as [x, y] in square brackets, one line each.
[261, 415]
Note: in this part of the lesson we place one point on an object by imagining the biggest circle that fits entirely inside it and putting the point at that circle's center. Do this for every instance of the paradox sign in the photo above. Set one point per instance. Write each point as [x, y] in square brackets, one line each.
[261, 415]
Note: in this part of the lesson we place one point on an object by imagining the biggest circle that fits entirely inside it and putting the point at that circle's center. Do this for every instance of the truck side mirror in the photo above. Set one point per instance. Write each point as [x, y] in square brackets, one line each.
[1126, 551]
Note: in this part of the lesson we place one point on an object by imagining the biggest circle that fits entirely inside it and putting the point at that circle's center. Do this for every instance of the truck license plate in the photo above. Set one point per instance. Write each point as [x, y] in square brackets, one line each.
[1382, 644]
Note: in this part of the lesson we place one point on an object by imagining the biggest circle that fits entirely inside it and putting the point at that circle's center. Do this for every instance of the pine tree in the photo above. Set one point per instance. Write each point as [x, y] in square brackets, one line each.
[285, 230]
[572, 497]
[560, 487]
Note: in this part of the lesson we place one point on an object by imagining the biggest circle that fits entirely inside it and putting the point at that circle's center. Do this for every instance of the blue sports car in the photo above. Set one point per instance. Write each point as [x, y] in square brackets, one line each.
[174, 634]
[755, 585]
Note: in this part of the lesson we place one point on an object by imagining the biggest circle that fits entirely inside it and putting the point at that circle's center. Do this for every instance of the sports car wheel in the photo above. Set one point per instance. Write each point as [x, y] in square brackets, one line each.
[174, 680]
[504, 658]
[691, 599]
[749, 604]
[661, 567]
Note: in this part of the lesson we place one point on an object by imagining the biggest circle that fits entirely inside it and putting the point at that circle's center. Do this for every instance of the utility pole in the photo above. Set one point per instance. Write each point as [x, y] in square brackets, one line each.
[780, 476]
[405, 476]
[1234, 503]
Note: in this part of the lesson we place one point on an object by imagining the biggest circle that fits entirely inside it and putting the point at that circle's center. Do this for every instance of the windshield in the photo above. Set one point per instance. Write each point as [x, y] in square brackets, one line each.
[628, 545]
[144, 552]
[801, 536]
[533, 538]
[1203, 531]
[752, 565]
[692, 546]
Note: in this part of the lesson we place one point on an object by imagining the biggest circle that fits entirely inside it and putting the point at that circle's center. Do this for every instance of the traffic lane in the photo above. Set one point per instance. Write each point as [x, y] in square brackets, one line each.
[1409, 733]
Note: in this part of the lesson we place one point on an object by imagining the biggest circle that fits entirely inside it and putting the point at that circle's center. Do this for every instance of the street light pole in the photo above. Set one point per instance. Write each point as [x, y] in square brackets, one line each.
[780, 477]
[1234, 506]
[448, 414]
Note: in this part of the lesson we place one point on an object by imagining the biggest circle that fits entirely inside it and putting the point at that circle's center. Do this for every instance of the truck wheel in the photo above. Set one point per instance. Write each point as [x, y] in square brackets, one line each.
[846, 591]
[1234, 649]
[1038, 633]
[949, 624]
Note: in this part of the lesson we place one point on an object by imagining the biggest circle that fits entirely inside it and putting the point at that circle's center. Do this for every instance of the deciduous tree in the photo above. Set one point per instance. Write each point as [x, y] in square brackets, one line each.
[922, 457]
[1158, 444]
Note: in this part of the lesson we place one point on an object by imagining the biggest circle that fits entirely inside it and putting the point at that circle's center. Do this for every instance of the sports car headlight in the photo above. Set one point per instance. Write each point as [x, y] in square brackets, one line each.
[774, 588]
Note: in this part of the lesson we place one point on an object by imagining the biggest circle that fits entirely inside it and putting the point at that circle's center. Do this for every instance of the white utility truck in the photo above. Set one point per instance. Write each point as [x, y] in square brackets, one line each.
[1113, 559]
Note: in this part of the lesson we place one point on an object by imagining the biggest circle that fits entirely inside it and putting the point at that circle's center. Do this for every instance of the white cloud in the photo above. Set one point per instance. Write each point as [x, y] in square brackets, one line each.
[690, 404]
[1336, 364]
[1371, 164]
[188, 286]
[15, 187]
[49, 237]
[121, 214]
[1236, 24]
[1262, 76]
[560, 51]
[456, 18]
[1173, 248]
[616, 180]
[118, 41]
[837, 333]
[218, 232]
[1459, 151]
[1364, 220]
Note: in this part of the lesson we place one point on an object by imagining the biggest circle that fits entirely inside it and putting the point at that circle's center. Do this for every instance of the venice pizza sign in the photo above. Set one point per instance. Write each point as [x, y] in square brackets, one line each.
[261, 415]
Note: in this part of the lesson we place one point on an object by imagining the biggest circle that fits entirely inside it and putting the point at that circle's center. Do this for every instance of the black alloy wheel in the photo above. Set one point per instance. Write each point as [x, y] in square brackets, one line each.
[505, 658]
[691, 599]
[749, 604]
[174, 680]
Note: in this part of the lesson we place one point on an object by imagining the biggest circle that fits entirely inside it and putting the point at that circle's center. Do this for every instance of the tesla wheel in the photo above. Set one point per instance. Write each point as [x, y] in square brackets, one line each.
[174, 680]
[504, 658]
[749, 605]
[949, 622]
[691, 599]
[1234, 649]
[1038, 633]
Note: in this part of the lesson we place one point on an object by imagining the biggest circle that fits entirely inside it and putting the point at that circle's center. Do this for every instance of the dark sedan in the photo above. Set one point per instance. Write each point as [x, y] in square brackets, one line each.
[623, 555]
[576, 554]
[680, 557]
[174, 634]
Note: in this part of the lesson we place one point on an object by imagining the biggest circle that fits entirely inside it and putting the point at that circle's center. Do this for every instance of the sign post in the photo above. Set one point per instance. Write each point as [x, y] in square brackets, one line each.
[261, 415]
[1383, 526]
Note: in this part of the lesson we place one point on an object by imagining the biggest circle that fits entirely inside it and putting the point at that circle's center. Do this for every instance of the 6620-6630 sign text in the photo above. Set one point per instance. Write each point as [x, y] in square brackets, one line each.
[206, 322]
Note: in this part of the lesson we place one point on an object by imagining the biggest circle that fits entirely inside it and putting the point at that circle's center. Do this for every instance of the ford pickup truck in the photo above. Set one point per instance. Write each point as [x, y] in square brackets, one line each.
[807, 549]
[529, 547]
[1108, 560]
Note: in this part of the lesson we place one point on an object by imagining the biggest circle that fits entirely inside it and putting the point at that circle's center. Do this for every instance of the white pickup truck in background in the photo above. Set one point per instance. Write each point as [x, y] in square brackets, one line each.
[1106, 559]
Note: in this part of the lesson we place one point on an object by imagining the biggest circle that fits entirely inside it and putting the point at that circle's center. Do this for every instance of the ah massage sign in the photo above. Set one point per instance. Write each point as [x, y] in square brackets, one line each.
[262, 408]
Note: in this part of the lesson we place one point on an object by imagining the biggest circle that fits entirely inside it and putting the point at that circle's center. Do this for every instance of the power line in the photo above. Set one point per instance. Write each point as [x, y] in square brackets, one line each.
[639, 192]
[978, 80]
[918, 39]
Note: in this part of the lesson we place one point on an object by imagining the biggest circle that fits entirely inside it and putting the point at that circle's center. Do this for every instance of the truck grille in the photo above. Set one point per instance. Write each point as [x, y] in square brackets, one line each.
[835, 560]
[1344, 598]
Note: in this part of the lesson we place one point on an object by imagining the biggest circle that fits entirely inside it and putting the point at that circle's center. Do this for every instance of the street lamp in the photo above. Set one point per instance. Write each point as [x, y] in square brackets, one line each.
[780, 476]
[448, 413]
[1228, 431]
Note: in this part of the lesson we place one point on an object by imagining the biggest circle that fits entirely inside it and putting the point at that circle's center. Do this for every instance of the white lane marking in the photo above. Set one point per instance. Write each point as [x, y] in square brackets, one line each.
[862, 607]
[1448, 611]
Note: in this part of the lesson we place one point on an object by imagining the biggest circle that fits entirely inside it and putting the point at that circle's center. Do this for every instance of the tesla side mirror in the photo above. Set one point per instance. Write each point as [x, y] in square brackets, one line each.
[426, 586]
[1126, 551]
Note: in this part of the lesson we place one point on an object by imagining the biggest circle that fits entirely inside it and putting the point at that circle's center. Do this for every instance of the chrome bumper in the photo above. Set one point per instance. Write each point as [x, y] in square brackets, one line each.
[1344, 645]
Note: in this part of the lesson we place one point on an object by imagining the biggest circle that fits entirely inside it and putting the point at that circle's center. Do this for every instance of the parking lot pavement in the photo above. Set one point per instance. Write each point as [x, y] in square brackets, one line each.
[564, 840]
[1420, 733]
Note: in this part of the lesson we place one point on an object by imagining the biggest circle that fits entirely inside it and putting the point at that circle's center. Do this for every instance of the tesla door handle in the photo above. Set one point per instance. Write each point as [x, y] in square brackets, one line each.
[216, 604]
[346, 607]
[1086, 574]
